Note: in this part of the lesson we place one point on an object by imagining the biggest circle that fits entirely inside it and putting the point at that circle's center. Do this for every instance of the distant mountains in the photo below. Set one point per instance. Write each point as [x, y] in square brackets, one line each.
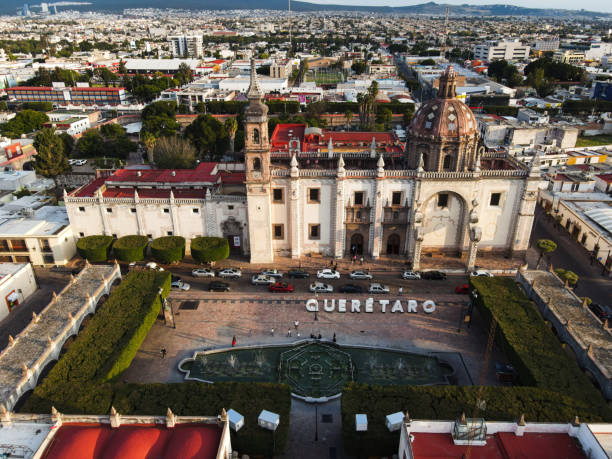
[431, 8]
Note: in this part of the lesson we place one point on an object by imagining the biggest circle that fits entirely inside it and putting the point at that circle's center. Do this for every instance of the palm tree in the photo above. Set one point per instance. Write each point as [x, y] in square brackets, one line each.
[148, 140]
[545, 246]
[348, 116]
[231, 126]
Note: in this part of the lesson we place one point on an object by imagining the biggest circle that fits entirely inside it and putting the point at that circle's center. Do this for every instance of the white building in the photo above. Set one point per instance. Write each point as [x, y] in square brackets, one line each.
[547, 44]
[186, 45]
[510, 50]
[241, 84]
[17, 283]
[597, 51]
[73, 125]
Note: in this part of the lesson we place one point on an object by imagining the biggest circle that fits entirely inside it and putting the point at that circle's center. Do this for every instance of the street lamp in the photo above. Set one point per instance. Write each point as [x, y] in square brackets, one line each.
[316, 317]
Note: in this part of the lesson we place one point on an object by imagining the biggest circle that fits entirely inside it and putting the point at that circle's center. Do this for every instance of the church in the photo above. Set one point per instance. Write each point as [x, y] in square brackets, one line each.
[367, 194]
[305, 190]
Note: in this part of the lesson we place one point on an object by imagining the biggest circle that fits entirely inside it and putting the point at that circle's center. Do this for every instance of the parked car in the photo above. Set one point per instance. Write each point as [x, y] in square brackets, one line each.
[601, 311]
[481, 273]
[463, 288]
[360, 274]
[320, 287]
[272, 273]
[350, 288]
[153, 265]
[203, 272]
[180, 285]
[298, 274]
[378, 288]
[260, 279]
[217, 286]
[281, 287]
[433, 275]
[231, 273]
[411, 275]
[328, 274]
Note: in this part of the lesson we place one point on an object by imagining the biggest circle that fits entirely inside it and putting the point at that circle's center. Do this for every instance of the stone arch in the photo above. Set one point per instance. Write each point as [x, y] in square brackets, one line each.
[359, 238]
[256, 136]
[256, 164]
[444, 221]
[447, 162]
[393, 246]
[232, 229]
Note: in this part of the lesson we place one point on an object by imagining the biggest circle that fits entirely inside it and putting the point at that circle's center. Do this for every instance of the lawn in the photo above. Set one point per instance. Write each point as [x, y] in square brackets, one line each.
[594, 141]
[325, 77]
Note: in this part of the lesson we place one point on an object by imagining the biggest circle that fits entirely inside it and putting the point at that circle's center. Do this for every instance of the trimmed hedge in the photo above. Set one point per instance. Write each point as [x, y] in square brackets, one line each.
[194, 398]
[207, 249]
[94, 248]
[168, 249]
[79, 382]
[560, 389]
[131, 248]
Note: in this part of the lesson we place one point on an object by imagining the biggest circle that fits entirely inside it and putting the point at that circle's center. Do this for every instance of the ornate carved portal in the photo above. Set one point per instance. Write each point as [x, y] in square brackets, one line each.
[232, 231]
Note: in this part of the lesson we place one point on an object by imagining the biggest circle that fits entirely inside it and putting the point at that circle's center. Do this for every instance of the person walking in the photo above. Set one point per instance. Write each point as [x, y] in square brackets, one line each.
[234, 341]
[361, 261]
[334, 338]
[288, 333]
[296, 324]
[272, 332]
[163, 352]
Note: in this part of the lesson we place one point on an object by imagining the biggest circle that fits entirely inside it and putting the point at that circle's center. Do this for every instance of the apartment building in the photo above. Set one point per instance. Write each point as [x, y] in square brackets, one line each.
[569, 56]
[510, 50]
[547, 44]
[74, 125]
[281, 69]
[186, 45]
[60, 95]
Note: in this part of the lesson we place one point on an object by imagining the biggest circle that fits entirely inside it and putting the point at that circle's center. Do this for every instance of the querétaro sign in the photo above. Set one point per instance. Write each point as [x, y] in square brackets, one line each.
[370, 305]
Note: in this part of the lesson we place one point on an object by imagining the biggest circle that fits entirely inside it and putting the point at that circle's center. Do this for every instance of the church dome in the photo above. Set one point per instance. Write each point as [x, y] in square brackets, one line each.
[446, 116]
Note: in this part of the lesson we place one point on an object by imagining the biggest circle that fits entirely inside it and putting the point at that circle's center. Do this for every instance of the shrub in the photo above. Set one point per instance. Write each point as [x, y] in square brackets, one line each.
[194, 398]
[94, 248]
[207, 249]
[168, 249]
[566, 275]
[131, 248]
[78, 383]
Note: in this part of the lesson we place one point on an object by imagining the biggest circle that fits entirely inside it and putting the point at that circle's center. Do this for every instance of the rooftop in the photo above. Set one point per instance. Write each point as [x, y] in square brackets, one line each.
[45, 221]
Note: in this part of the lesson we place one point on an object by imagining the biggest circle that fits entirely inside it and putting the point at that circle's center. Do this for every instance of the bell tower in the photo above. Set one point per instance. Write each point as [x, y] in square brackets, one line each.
[257, 166]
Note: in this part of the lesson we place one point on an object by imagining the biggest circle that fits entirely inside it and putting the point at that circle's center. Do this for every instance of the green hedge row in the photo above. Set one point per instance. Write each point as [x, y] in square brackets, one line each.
[104, 349]
[168, 249]
[94, 248]
[193, 398]
[447, 403]
[529, 343]
[131, 248]
[207, 249]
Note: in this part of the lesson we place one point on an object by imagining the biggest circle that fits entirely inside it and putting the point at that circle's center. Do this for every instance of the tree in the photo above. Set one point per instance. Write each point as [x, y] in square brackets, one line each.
[359, 67]
[50, 160]
[208, 135]
[348, 117]
[567, 276]
[174, 153]
[184, 74]
[24, 122]
[91, 144]
[385, 117]
[68, 141]
[148, 140]
[367, 106]
[158, 119]
[231, 126]
[545, 246]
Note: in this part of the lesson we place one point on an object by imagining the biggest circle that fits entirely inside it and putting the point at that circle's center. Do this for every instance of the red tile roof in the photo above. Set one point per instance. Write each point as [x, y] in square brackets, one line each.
[605, 177]
[96, 441]
[501, 445]
[202, 173]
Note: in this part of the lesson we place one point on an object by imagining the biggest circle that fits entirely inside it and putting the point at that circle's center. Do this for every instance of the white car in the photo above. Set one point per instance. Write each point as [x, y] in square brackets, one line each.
[153, 265]
[411, 275]
[180, 285]
[360, 274]
[80, 162]
[328, 274]
[272, 273]
[72, 161]
[320, 287]
[231, 273]
[481, 273]
[378, 288]
[203, 272]
[260, 279]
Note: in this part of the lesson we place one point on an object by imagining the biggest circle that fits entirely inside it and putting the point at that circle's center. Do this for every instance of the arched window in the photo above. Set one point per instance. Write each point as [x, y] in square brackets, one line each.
[256, 164]
[255, 135]
[446, 165]
[425, 161]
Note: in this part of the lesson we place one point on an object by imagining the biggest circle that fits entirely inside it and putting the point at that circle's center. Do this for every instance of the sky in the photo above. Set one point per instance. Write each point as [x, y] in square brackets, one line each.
[591, 5]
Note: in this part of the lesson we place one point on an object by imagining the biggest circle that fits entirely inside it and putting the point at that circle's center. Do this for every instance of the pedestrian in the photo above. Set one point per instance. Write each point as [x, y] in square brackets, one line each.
[163, 352]
[296, 324]
[361, 261]
[319, 336]
[334, 338]
[272, 331]
[289, 333]
[298, 334]
[234, 341]
[354, 258]
[400, 290]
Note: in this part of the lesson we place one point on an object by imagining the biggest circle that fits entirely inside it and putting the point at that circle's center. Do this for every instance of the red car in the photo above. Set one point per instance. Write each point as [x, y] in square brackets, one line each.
[281, 287]
[463, 288]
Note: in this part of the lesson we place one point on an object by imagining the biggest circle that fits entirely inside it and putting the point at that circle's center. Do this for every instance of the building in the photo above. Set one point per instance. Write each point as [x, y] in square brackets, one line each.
[72, 126]
[186, 46]
[569, 56]
[13, 156]
[32, 232]
[242, 83]
[440, 193]
[165, 66]
[547, 44]
[281, 68]
[598, 50]
[481, 439]
[206, 201]
[60, 95]
[17, 283]
[510, 50]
